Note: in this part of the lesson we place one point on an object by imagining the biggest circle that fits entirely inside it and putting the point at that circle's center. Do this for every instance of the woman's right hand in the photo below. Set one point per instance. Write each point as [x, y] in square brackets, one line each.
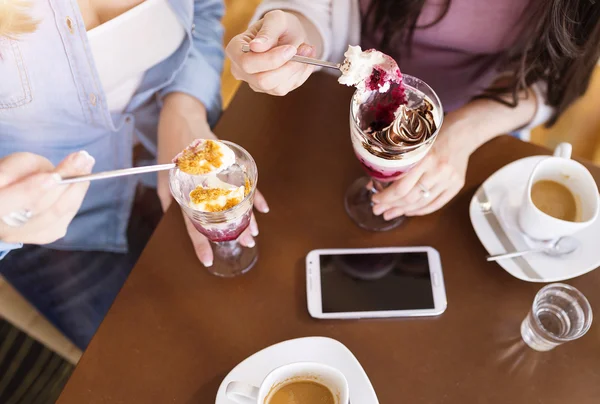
[29, 182]
[274, 40]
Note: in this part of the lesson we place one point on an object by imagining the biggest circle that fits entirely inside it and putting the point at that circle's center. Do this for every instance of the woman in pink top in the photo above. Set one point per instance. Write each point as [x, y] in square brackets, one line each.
[498, 67]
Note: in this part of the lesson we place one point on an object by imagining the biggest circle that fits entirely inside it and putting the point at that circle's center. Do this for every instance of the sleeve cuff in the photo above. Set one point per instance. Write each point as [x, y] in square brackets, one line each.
[202, 82]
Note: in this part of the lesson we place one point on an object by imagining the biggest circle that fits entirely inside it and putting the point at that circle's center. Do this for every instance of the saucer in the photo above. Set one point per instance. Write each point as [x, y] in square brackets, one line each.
[310, 349]
[504, 190]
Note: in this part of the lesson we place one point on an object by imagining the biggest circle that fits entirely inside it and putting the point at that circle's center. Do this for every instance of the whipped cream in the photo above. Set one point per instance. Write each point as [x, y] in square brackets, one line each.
[368, 71]
[204, 157]
[216, 195]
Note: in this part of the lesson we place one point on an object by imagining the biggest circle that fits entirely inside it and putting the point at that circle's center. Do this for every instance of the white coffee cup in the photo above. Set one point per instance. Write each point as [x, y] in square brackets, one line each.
[331, 378]
[573, 175]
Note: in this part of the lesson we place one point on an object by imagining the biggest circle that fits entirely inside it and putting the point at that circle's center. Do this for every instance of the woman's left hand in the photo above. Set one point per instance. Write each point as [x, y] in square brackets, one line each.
[433, 182]
[182, 120]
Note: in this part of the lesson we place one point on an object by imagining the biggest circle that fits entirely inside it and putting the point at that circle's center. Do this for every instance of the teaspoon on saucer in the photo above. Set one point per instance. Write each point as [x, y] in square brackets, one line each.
[562, 246]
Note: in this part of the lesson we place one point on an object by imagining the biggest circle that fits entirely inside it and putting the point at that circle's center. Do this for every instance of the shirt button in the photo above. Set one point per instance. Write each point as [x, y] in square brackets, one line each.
[193, 27]
[93, 99]
[70, 25]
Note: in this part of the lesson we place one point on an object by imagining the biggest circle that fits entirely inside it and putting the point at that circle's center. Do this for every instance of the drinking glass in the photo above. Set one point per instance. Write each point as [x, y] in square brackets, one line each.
[560, 313]
[398, 161]
[222, 228]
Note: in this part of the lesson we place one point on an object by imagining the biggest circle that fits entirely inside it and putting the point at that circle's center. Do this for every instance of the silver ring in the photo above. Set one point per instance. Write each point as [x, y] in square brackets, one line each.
[425, 193]
[17, 219]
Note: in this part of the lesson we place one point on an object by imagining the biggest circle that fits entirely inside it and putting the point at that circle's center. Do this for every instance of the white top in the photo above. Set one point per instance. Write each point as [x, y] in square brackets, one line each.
[338, 24]
[125, 47]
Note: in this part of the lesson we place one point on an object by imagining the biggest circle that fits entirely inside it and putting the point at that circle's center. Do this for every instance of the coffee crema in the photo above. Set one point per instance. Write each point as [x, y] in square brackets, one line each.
[301, 392]
[556, 200]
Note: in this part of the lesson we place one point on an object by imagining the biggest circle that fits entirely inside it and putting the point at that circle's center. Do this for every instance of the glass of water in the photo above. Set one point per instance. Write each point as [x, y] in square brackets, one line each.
[560, 313]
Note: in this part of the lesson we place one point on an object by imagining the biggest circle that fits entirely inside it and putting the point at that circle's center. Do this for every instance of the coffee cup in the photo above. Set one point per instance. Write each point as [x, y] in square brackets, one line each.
[329, 379]
[561, 197]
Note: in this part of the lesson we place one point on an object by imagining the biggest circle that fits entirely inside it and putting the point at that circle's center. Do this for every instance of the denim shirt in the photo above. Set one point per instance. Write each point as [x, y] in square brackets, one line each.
[52, 104]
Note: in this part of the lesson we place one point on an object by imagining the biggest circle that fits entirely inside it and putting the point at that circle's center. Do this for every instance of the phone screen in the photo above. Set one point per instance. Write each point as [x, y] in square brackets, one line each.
[376, 282]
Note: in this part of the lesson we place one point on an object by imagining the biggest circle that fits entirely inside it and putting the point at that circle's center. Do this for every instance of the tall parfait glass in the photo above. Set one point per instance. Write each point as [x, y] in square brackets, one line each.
[382, 161]
[223, 228]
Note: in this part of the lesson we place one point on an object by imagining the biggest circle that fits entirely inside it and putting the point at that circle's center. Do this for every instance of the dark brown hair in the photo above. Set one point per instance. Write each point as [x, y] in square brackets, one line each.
[560, 45]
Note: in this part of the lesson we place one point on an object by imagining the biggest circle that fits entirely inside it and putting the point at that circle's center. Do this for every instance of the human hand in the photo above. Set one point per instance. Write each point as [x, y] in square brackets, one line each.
[29, 182]
[441, 174]
[274, 40]
[182, 120]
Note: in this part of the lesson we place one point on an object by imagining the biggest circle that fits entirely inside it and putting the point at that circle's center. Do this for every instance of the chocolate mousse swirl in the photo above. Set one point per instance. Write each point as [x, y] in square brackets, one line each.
[411, 127]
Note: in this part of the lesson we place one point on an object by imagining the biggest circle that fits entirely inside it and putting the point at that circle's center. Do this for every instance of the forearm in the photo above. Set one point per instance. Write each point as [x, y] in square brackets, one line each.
[485, 119]
[183, 118]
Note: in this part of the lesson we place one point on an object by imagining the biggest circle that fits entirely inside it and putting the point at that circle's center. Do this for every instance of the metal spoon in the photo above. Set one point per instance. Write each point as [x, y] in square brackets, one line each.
[304, 59]
[116, 173]
[562, 246]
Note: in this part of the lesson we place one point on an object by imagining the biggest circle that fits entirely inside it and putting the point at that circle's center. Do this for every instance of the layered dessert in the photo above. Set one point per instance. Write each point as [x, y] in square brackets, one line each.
[389, 153]
[392, 119]
[212, 184]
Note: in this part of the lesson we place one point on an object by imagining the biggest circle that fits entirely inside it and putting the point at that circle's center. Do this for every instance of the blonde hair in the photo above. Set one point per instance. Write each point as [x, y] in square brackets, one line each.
[14, 19]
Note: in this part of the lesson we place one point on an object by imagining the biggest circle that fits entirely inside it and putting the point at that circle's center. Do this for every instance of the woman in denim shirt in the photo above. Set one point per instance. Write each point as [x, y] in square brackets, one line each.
[129, 83]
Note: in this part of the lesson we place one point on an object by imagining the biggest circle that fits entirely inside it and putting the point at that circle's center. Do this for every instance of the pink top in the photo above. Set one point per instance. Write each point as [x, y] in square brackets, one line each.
[460, 55]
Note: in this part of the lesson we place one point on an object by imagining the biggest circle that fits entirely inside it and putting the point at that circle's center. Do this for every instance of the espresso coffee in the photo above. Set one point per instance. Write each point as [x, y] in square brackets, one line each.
[556, 200]
[301, 392]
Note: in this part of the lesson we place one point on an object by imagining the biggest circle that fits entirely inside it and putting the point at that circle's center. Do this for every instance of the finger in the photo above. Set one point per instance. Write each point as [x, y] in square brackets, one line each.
[25, 193]
[52, 223]
[18, 165]
[200, 242]
[252, 63]
[260, 203]
[253, 226]
[437, 203]
[421, 201]
[274, 25]
[435, 181]
[393, 213]
[255, 89]
[246, 238]
[79, 163]
[401, 187]
[379, 208]
[287, 75]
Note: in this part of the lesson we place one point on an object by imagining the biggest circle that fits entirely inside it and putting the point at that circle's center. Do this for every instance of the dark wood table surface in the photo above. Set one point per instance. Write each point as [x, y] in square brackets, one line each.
[175, 331]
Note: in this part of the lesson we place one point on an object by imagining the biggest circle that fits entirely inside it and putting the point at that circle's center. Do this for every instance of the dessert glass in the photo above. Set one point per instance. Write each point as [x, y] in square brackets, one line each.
[222, 228]
[382, 171]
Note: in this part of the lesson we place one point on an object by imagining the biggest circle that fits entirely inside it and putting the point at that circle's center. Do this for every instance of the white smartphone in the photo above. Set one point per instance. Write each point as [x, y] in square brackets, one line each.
[375, 283]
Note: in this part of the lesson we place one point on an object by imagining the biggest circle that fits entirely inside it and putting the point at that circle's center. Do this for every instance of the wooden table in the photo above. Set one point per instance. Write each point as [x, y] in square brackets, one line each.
[175, 331]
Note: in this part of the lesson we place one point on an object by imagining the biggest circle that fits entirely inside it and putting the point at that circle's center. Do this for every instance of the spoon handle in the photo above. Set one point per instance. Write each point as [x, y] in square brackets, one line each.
[509, 255]
[304, 59]
[116, 173]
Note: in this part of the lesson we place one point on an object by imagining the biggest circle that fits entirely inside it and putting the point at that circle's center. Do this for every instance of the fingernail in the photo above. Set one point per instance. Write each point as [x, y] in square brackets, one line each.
[84, 160]
[254, 231]
[251, 243]
[265, 209]
[259, 39]
[305, 50]
[207, 264]
[289, 52]
[49, 181]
